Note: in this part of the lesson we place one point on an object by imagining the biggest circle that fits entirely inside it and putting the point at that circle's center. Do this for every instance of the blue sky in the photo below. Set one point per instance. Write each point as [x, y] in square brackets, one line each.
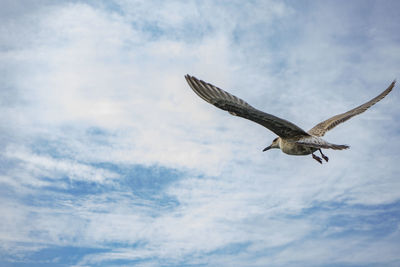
[109, 159]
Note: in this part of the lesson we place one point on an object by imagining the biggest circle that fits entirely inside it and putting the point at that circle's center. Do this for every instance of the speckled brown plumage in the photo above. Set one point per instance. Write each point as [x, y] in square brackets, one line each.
[292, 139]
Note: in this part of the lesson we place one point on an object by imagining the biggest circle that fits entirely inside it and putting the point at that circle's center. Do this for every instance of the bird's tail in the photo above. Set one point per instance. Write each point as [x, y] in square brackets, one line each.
[338, 147]
[317, 142]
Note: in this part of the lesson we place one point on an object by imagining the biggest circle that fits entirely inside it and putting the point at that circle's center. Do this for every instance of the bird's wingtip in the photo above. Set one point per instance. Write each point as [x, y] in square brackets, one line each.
[391, 86]
[189, 77]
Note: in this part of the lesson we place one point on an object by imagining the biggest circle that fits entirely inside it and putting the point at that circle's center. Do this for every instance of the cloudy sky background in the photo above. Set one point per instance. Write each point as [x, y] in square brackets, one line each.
[107, 158]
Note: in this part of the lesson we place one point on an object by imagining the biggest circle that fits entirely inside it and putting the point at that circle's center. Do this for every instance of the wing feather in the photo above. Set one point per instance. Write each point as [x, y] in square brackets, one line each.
[239, 107]
[321, 128]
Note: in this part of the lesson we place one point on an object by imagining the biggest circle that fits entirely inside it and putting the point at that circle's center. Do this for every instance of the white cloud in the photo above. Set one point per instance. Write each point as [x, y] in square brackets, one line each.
[37, 166]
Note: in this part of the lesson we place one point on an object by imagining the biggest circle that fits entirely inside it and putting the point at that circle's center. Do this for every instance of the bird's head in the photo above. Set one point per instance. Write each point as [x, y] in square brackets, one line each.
[275, 144]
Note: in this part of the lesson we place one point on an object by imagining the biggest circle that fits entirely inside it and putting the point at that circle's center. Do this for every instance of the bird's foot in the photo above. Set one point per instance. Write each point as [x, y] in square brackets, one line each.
[323, 156]
[317, 158]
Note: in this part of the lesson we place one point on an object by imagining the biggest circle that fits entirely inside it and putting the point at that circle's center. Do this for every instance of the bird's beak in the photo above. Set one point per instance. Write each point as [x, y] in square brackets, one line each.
[267, 148]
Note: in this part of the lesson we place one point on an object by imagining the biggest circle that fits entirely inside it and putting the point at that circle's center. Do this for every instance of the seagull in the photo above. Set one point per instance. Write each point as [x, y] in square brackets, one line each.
[291, 139]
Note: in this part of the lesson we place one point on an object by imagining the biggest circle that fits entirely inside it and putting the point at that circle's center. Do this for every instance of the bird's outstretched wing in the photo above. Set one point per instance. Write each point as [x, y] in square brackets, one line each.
[321, 128]
[238, 107]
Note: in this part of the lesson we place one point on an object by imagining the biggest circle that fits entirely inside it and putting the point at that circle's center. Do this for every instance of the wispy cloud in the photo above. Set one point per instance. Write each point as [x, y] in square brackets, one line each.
[106, 149]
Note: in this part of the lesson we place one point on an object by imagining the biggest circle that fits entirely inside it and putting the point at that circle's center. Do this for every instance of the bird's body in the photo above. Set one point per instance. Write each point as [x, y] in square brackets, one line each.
[291, 139]
[291, 148]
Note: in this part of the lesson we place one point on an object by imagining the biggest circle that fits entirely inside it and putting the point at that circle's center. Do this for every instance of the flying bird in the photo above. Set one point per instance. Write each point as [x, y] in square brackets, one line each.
[291, 139]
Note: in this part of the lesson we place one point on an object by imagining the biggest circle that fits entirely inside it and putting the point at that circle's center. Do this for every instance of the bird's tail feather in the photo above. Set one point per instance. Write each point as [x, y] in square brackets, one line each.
[339, 147]
[320, 143]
